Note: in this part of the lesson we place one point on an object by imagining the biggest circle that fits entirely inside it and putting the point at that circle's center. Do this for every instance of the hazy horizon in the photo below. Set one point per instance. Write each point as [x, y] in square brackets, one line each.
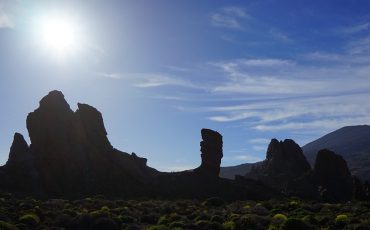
[158, 74]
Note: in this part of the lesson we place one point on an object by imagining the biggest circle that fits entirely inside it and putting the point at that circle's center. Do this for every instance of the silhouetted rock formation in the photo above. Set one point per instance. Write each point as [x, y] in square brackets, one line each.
[284, 162]
[351, 142]
[211, 148]
[70, 156]
[333, 176]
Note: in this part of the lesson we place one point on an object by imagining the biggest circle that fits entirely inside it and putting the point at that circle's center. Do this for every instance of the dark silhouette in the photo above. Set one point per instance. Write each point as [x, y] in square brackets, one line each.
[351, 142]
[211, 148]
[333, 177]
[70, 156]
[284, 162]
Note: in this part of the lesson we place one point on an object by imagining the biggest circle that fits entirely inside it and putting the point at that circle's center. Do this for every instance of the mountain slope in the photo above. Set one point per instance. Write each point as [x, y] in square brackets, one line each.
[352, 142]
[230, 172]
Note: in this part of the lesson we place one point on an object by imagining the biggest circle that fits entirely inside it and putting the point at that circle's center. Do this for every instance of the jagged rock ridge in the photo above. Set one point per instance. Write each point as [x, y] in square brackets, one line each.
[70, 156]
[284, 162]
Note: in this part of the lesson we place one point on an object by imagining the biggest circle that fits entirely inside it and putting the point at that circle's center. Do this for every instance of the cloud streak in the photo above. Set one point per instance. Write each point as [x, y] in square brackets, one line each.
[229, 17]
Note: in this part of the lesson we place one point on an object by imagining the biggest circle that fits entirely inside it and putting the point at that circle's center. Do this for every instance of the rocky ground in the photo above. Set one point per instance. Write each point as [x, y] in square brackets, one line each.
[213, 213]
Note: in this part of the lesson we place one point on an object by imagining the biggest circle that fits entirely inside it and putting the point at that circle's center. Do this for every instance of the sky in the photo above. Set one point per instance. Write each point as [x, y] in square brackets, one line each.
[160, 71]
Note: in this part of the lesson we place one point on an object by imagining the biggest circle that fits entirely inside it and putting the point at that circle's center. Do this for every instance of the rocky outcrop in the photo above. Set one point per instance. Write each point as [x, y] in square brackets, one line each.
[211, 148]
[71, 154]
[284, 163]
[333, 176]
[19, 151]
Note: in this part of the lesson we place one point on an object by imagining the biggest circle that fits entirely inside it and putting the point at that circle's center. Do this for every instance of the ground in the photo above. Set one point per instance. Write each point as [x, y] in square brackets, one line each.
[213, 213]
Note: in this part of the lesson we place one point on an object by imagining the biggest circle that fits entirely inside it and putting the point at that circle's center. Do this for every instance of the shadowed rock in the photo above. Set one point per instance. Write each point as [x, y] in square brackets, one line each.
[70, 156]
[211, 148]
[19, 151]
[333, 176]
[284, 162]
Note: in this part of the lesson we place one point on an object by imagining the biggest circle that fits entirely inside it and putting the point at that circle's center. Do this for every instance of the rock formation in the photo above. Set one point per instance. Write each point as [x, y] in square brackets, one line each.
[284, 162]
[333, 176]
[70, 156]
[70, 153]
[211, 148]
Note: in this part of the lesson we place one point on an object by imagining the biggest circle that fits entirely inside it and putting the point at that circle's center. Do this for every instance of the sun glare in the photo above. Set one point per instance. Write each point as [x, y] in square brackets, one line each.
[58, 35]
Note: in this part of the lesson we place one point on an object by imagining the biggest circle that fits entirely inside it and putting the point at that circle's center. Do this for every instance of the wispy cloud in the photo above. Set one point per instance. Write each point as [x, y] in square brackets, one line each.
[248, 158]
[355, 28]
[280, 36]
[150, 80]
[229, 17]
[5, 20]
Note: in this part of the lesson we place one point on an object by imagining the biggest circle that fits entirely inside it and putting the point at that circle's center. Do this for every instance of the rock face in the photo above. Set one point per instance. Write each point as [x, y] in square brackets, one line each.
[333, 176]
[70, 153]
[284, 162]
[211, 148]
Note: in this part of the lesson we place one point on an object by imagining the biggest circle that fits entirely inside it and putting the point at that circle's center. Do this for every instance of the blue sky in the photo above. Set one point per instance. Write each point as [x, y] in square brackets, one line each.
[160, 71]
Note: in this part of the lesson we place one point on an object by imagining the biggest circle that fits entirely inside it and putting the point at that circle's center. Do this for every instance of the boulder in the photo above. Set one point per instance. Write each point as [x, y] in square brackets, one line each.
[333, 176]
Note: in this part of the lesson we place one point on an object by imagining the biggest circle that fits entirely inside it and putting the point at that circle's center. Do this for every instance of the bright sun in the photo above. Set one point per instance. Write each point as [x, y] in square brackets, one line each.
[59, 35]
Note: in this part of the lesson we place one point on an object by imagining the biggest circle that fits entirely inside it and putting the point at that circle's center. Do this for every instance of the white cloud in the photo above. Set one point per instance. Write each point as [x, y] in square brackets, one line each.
[229, 17]
[248, 158]
[360, 46]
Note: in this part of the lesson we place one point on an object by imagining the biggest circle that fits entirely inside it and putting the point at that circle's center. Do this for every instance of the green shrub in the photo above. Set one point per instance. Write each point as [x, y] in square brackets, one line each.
[30, 219]
[214, 202]
[279, 218]
[104, 223]
[203, 224]
[157, 227]
[217, 218]
[342, 219]
[294, 224]
[229, 225]
[177, 224]
[7, 226]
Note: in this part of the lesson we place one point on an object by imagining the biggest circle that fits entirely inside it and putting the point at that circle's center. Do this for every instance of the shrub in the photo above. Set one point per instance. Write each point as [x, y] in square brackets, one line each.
[229, 225]
[177, 224]
[279, 218]
[30, 220]
[7, 226]
[104, 223]
[203, 224]
[157, 227]
[217, 218]
[294, 224]
[342, 219]
[214, 202]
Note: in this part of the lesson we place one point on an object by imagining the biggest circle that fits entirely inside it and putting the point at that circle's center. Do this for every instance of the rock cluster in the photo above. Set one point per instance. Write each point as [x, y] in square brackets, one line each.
[284, 162]
[70, 154]
[211, 148]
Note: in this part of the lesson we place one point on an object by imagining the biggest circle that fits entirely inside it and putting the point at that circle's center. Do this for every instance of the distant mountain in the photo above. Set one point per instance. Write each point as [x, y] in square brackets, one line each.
[230, 172]
[352, 142]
